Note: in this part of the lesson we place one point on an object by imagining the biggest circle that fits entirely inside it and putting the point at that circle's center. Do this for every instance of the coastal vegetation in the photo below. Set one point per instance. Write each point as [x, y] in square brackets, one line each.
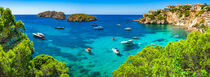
[81, 18]
[16, 50]
[184, 58]
[180, 15]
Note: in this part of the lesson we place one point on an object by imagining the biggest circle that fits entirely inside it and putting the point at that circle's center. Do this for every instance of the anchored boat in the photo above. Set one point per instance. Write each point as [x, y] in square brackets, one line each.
[116, 51]
[118, 25]
[128, 29]
[39, 35]
[59, 27]
[98, 28]
[153, 44]
[94, 25]
[88, 50]
[135, 37]
[128, 43]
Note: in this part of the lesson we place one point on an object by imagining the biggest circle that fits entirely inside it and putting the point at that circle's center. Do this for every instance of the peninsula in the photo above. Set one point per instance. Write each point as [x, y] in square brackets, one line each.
[81, 18]
[52, 14]
[193, 17]
[187, 57]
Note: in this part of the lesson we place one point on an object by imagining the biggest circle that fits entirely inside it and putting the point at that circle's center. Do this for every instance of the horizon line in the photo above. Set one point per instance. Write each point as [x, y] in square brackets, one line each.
[88, 14]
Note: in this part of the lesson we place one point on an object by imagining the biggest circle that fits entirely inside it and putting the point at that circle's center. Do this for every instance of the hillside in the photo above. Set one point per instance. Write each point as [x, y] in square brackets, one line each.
[193, 17]
[16, 50]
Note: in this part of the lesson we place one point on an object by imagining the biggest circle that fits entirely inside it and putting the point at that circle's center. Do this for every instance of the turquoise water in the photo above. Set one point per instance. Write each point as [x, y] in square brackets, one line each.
[69, 45]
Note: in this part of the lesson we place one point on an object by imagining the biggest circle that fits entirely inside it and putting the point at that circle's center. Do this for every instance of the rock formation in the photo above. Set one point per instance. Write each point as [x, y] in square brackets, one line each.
[193, 17]
[52, 14]
[81, 18]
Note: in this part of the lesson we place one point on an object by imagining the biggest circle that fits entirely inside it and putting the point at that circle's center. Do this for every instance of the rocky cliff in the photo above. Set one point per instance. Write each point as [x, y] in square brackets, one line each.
[193, 17]
[52, 14]
[81, 18]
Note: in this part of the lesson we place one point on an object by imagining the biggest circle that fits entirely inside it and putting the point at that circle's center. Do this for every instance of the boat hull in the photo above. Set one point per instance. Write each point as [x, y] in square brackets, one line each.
[116, 51]
[59, 27]
[89, 51]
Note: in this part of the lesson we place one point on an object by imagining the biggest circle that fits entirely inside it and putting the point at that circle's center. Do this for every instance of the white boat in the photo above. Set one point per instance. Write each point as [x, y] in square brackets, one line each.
[118, 25]
[128, 29]
[98, 28]
[39, 35]
[59, 27]
[94, 25]
[116, 51]
[176, 36]
[153, 44]
[135, 37]
[128, 43]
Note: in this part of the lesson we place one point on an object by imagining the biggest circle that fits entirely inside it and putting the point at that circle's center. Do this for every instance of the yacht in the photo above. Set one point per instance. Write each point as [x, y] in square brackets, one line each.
[116, 51]
[98, 28]
[128, 43]
[128, 29]
[39, 35]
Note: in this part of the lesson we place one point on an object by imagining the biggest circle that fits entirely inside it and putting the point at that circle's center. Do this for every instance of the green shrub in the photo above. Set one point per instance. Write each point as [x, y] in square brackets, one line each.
[186, 13]
[208, 8]
[186, 7]
[173, 10]
[150, 16]
[160, 17]
[203, 27]
[195, 25]
[157, 12]
[1, 26]
[180, 15]
[1, 10]
[202, 21]
[49, 66]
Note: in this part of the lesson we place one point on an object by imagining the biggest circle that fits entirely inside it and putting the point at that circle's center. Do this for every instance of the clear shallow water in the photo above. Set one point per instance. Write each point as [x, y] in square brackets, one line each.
[68, 45]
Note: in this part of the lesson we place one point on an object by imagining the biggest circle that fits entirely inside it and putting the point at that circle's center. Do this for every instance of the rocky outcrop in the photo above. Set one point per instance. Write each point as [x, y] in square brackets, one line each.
[193, 17]
[52, 14]
[81, 18]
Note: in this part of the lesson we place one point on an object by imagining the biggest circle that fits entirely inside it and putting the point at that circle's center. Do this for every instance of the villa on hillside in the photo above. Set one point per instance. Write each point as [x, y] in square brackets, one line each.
[170, 6]
[165, 9]
[179, 6]
[196, 7]
[151, 11]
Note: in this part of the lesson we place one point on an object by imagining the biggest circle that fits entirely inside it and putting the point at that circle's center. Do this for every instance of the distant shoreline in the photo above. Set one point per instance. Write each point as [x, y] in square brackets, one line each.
[91, 14]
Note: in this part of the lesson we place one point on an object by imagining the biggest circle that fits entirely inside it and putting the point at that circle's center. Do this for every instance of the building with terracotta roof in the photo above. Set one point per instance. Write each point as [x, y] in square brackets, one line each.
[178, 6]
[151, 11]
[196, 7]
[170, 6]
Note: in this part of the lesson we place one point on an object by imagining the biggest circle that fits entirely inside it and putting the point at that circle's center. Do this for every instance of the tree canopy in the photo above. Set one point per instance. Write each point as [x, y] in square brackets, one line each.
[188, 57]
[16, 50]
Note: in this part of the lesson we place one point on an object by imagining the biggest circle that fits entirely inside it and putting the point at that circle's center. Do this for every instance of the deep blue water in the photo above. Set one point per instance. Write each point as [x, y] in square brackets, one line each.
[68, 45]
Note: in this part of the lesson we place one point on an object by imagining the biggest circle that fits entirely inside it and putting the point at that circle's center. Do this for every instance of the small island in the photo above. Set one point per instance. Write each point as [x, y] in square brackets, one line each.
[52, 14]
[81, 18]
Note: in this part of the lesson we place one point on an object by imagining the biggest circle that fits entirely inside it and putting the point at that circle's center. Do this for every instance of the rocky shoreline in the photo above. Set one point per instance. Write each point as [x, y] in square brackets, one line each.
[192, 17]
[52, 14]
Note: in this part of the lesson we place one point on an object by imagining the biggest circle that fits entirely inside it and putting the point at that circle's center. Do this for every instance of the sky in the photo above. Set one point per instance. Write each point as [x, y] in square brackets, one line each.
[124, 7]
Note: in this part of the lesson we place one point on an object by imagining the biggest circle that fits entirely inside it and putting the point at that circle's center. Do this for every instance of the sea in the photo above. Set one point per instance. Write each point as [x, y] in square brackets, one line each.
[68, 45]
